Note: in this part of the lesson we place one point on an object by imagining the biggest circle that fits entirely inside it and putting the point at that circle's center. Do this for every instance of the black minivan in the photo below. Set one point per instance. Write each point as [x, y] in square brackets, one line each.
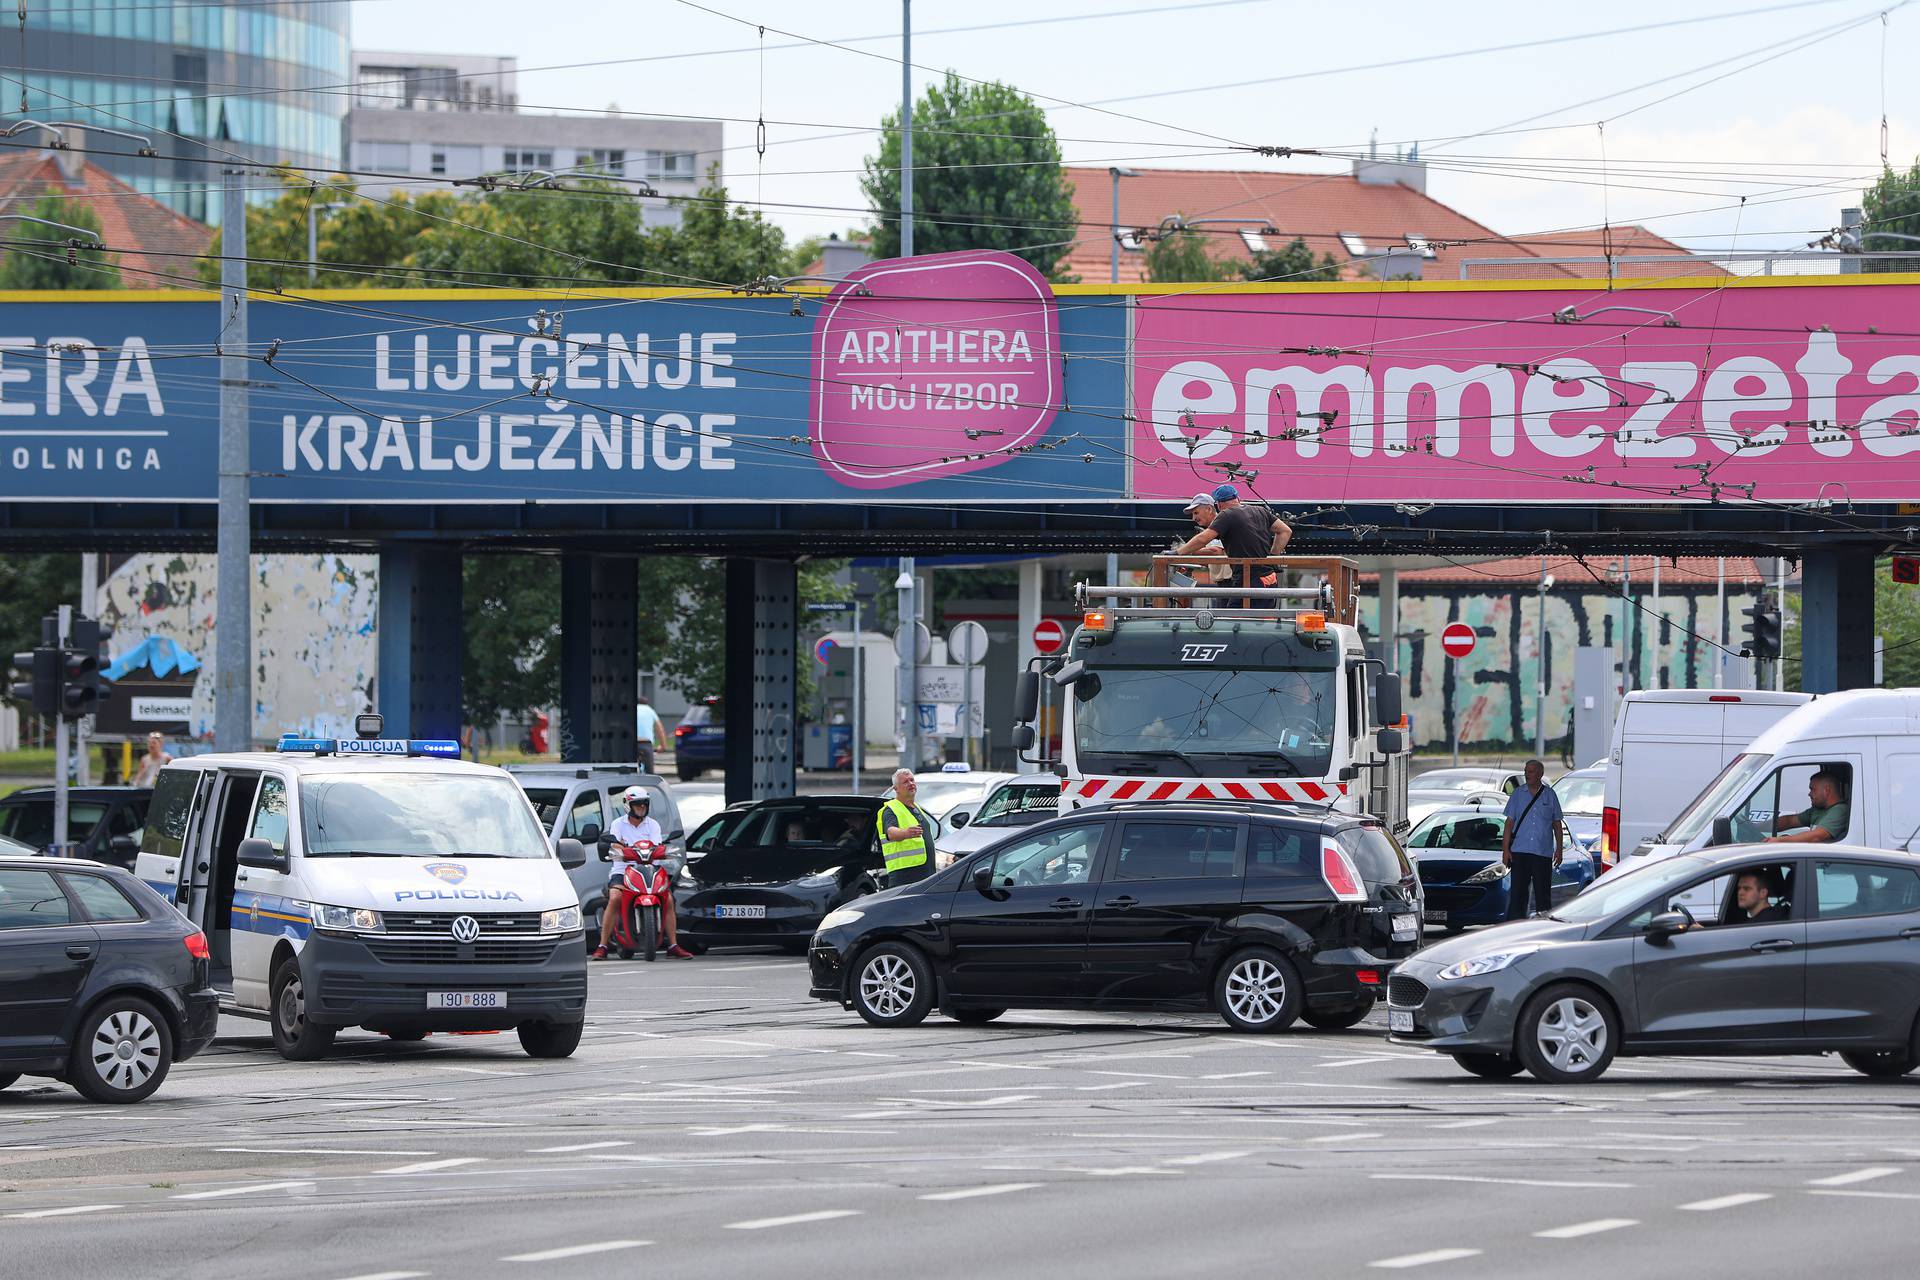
[1263, 913]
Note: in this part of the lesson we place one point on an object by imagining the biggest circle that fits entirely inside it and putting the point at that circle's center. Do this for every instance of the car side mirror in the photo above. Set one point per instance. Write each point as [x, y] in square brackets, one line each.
[1722, 831]
[678, 833]
[123, 846]
[590, 834]
[983, 877]
[959, 821]
[1391, 742]
[1668, 922]
[572, 853]
[255, 852]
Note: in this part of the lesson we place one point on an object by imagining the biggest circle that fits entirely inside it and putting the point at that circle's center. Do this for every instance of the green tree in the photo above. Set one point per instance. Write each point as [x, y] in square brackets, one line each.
[695, 662]
[714, 244]
[1892, 205]
[43, 265]
[986, 168]
[1896, 620]
[1182, 257]
[1292, 261]
[371, 241]
[512, 659]
[32, 586]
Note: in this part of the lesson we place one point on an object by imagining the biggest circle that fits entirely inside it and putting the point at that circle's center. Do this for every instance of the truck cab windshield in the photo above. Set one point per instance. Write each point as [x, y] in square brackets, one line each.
[417, 816]
[1207, 723]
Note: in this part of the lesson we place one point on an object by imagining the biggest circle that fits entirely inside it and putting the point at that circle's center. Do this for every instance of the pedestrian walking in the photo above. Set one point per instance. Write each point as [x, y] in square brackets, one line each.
[905, 838]
[647, 729]
[153, 762]
[1532, 845]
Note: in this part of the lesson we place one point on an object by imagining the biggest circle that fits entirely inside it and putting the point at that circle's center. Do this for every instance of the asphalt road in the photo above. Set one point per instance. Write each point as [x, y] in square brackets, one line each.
[716, 1123]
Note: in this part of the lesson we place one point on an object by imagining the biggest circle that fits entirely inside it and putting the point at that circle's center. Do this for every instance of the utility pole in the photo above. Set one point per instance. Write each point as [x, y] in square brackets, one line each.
[1720, 614]
[89, 588]
[859, 698]
[1780, 603]
[233, 611]
[909, 651]
[1540, 690]
[906, 128]
[63, 629]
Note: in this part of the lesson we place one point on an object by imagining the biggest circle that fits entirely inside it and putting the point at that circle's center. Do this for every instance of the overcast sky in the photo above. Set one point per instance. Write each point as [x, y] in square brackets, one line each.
[1798, 134]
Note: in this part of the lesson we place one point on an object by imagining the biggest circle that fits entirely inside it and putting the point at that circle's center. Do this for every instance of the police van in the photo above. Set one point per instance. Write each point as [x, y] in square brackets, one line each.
[372, 882]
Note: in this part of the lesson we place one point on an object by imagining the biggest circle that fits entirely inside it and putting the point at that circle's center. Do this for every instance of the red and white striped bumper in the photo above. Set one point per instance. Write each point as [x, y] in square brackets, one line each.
[1090, 790]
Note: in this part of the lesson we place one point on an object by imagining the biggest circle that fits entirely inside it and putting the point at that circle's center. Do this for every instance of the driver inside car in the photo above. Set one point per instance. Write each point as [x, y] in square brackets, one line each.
[1753, 898]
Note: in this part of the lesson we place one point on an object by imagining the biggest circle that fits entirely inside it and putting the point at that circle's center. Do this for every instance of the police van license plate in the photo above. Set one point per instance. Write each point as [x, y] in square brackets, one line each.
[1400, 1020]
[740, 913]
[1406, 928]
[466, 999]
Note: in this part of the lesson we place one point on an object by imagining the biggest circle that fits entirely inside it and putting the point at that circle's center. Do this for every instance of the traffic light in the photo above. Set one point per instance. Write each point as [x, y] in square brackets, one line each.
[1763, 631]
[81, 688]
[41, 687]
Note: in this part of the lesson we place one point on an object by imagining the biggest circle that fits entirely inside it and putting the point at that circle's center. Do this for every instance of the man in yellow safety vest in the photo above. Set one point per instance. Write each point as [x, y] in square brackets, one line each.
[904, 841]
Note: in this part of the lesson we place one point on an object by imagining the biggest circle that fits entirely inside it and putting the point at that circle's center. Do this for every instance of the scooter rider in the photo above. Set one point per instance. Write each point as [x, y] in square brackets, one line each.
[635, 826]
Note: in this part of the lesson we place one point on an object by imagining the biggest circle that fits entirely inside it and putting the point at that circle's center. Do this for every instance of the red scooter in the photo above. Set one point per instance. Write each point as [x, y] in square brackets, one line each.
[645, 879]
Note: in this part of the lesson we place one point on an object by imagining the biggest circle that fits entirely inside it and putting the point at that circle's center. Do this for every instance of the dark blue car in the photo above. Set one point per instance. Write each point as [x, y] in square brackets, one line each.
[1457, 850]
[700, 740]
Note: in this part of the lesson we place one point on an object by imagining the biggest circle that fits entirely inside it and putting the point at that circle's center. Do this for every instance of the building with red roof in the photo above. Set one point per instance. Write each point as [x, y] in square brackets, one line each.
[156, 248]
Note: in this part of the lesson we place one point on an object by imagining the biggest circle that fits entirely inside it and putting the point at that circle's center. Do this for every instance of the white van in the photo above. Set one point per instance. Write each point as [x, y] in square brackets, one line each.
[1667, 745]
[1866, 740]
[376, 883]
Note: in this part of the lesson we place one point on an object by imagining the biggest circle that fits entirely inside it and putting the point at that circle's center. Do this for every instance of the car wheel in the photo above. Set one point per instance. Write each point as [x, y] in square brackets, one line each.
[1336, 1019]
[297, 1039]
[975, 1017]
[550, 1039]
[893, 987]
[122, 1053]
[1490, 1066]
[1567, 1035]
[1258, 990]
[1884, 1064]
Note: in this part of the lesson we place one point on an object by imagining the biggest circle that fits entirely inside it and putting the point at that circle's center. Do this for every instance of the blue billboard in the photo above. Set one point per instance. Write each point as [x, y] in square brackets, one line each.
[469, 396]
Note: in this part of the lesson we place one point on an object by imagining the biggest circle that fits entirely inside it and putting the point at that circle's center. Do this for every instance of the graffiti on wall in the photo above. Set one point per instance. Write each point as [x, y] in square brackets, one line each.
[1492, 690]
[314, 643]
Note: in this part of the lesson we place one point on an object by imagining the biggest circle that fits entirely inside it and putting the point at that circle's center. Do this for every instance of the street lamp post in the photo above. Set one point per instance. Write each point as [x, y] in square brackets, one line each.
[1118, 172]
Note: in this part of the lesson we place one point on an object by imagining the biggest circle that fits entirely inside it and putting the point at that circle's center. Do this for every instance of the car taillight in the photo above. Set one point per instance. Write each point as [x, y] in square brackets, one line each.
[1337, 870]
[1609, 839]
[1367, 977]
[681, 731]
[197, 946]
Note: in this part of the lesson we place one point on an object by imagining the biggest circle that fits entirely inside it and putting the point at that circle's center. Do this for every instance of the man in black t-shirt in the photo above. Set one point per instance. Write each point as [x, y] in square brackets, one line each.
[1245, 532]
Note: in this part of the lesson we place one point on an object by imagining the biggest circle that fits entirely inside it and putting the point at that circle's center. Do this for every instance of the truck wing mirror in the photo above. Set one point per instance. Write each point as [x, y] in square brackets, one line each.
[1387, 708]
[1070, 674]
[1026, 697]
[572, 853]
[255, 852]
[1391, 742]
[1023, 737]
[1722, 831]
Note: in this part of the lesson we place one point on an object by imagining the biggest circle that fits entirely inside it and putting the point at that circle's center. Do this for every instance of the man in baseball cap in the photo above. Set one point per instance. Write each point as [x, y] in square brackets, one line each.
[1245, 533]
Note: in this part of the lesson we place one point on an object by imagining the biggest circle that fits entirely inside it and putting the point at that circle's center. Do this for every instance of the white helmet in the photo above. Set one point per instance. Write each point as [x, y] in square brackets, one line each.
[636, 795]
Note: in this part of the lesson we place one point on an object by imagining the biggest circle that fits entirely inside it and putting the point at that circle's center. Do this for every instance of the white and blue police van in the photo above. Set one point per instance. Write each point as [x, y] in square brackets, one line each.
[372, 882]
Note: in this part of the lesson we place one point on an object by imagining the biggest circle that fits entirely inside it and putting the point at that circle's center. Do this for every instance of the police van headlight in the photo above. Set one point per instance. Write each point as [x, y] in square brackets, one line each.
[563, 920]
[346, 919]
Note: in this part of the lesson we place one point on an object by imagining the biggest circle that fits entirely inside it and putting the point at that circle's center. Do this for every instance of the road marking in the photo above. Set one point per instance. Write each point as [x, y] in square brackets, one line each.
[1680, 1093]
[1733, 1201]
[1345, 1137]
[1870, 1195]
[1505, 1182]
[576, 1250]
[1858, 1175]
[428, 1166]
[1144, 1075]
[969, 1193]
[1465, 1124]
[485, 1071]
[322, 1151]
[1211, 1157]
[66, 1212]
[1579, 1229]
[1422, 1259]
[249, 1189]
[391, 1275]
[793, 1219]
[577, 1146]
[1236, 1075]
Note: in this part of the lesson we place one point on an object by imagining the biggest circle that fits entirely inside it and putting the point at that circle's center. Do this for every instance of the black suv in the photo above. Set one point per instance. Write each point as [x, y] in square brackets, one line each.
[103, 823]
[1263, 913]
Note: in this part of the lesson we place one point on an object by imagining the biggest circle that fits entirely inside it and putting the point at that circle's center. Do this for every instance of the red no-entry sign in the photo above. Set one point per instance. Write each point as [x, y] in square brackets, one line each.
[1457, 640]
[1049, 635]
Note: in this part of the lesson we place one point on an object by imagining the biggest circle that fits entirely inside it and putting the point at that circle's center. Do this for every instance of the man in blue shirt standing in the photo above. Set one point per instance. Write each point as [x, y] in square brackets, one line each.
[1531, 846]
[647, 730]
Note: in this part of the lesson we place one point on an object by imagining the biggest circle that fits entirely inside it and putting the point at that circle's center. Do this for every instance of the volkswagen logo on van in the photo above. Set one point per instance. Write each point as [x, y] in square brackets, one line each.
[465, 929]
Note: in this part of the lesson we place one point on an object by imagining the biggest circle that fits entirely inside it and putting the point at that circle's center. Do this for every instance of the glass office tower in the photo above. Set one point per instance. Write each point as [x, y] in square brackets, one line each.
[204, 79]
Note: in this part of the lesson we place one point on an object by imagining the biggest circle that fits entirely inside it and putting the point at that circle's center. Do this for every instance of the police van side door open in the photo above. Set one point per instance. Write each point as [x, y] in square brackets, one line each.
[263, 899]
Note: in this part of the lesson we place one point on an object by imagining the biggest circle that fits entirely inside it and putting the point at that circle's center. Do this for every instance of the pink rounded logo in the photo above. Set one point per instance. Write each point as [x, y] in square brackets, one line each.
[935, 366]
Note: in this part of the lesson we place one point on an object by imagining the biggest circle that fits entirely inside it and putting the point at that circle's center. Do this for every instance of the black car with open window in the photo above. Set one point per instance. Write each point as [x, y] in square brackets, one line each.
[1263, 913]
[767, 874]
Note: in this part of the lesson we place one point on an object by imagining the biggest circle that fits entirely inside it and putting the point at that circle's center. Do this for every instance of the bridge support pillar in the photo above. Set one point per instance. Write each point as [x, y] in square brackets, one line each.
[760, 695]
[421, 642]
[1836, 620]
[599, 662]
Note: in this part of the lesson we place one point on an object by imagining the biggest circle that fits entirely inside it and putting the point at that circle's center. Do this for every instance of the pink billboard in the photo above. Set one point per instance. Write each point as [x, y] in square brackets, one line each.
[1639, 394]
[934, 366]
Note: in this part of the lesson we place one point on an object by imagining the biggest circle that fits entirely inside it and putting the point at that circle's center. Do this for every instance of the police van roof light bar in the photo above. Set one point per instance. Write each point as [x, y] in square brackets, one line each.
[432, 748]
